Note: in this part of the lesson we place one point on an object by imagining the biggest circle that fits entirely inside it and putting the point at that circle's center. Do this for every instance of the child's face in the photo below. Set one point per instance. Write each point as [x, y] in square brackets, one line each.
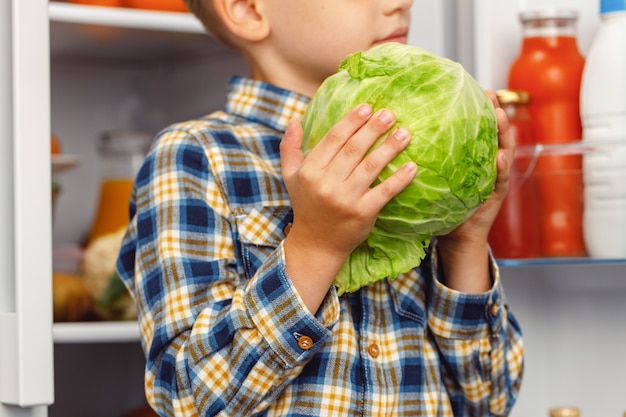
[313, 36]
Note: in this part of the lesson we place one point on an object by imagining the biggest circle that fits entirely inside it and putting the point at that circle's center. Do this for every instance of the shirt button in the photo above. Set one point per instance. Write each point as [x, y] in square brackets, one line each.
[373, 350]
[287, 228]
[494, 309]
[305, 342]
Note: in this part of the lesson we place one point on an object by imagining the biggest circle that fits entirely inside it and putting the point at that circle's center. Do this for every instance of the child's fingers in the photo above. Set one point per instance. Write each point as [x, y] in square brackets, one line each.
[373, 163]
[506, 147]
[502, 181]
[392, 186]
[324, 152]
[354, 152]
[494, 99]
[506, 152]
[291, 155]
[506, 138]
[371, 166]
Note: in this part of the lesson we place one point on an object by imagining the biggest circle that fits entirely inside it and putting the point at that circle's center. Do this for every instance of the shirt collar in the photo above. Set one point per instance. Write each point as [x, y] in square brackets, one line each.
[264, 103]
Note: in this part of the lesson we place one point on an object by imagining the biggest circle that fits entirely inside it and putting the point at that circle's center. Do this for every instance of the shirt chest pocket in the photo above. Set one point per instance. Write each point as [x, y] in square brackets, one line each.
[260, 232]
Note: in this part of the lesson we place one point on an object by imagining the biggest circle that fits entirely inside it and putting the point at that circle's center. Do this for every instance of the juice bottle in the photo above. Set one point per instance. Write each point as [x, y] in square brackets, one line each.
[122, 152]
[549, 67]
[515, 232]
[112, 211]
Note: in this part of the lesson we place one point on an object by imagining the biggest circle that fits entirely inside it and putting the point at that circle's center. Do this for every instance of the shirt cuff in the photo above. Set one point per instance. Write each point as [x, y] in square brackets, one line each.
[281, 316]
[456, 315]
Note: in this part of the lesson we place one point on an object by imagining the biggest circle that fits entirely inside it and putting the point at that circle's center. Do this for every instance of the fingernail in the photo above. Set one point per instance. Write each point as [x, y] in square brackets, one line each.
[401, 133]
[410, 167]
[386, 116]
[365, 110]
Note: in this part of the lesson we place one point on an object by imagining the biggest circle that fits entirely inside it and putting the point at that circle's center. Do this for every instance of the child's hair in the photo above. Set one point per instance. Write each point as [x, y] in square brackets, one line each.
[204, 11]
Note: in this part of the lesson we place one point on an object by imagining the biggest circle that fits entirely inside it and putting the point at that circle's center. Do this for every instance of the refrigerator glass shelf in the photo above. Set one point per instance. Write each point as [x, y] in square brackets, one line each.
[96, 332]
[62, 162]
[560, 262]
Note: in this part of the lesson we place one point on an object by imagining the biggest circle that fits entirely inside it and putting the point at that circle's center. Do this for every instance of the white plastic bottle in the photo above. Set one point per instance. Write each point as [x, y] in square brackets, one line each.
[603, 113]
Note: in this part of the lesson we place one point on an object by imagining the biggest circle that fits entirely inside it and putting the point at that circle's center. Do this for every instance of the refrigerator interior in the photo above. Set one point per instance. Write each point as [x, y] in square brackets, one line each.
[571, 312]
[105, 78]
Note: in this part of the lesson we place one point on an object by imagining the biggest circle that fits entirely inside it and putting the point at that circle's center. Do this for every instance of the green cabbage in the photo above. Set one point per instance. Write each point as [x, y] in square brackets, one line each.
[454, 143]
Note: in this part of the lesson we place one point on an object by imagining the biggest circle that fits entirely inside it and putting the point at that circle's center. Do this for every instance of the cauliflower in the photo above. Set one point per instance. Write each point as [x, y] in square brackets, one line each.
[113, 301]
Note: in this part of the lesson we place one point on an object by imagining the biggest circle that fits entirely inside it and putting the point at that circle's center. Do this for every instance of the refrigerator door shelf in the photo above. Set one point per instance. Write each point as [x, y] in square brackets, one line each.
[126, 35]
[124, 17]
[96, 332]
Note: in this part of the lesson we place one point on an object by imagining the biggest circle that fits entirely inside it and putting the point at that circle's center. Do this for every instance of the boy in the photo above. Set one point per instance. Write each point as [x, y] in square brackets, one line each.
[235, 240]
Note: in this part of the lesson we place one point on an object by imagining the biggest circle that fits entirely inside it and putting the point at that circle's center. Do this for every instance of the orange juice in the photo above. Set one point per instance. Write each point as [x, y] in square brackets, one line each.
[112, 212]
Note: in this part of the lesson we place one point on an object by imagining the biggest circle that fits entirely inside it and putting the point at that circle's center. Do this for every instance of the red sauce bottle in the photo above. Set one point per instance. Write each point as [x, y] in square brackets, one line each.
[550, 68]
[516, 230]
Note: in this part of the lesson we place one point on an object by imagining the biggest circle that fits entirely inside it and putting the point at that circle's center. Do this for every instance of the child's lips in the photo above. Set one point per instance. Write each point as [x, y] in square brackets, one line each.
[399, 35]
[401, 39]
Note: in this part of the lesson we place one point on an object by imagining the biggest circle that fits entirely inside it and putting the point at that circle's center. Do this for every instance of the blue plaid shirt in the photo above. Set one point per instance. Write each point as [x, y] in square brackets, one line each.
[225, 331]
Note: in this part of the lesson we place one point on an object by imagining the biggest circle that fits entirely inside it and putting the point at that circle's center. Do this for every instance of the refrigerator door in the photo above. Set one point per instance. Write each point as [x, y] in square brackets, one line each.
[26, 346]
[550, 302]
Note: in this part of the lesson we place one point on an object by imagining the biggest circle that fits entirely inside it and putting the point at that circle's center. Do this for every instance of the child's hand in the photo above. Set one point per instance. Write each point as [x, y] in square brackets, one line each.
[334, 206]
[470, 238]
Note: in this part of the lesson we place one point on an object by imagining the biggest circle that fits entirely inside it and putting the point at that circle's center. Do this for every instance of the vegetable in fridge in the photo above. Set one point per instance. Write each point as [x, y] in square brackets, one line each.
[454, 143]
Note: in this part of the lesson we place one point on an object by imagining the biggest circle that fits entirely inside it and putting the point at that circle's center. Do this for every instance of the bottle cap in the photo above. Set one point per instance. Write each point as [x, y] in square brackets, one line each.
[548, 14]
[565, 412]
[609, 6]
[513, 96]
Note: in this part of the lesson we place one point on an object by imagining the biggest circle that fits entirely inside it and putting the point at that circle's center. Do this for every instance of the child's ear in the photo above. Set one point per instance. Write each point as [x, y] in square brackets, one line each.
[244, 18]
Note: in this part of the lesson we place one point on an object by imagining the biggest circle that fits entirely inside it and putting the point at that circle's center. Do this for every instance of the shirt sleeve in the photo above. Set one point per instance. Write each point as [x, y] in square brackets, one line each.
[215, 341]
[480, 343]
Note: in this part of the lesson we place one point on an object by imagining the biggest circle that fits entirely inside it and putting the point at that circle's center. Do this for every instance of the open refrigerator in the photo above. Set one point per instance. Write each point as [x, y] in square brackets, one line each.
[79, 71]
